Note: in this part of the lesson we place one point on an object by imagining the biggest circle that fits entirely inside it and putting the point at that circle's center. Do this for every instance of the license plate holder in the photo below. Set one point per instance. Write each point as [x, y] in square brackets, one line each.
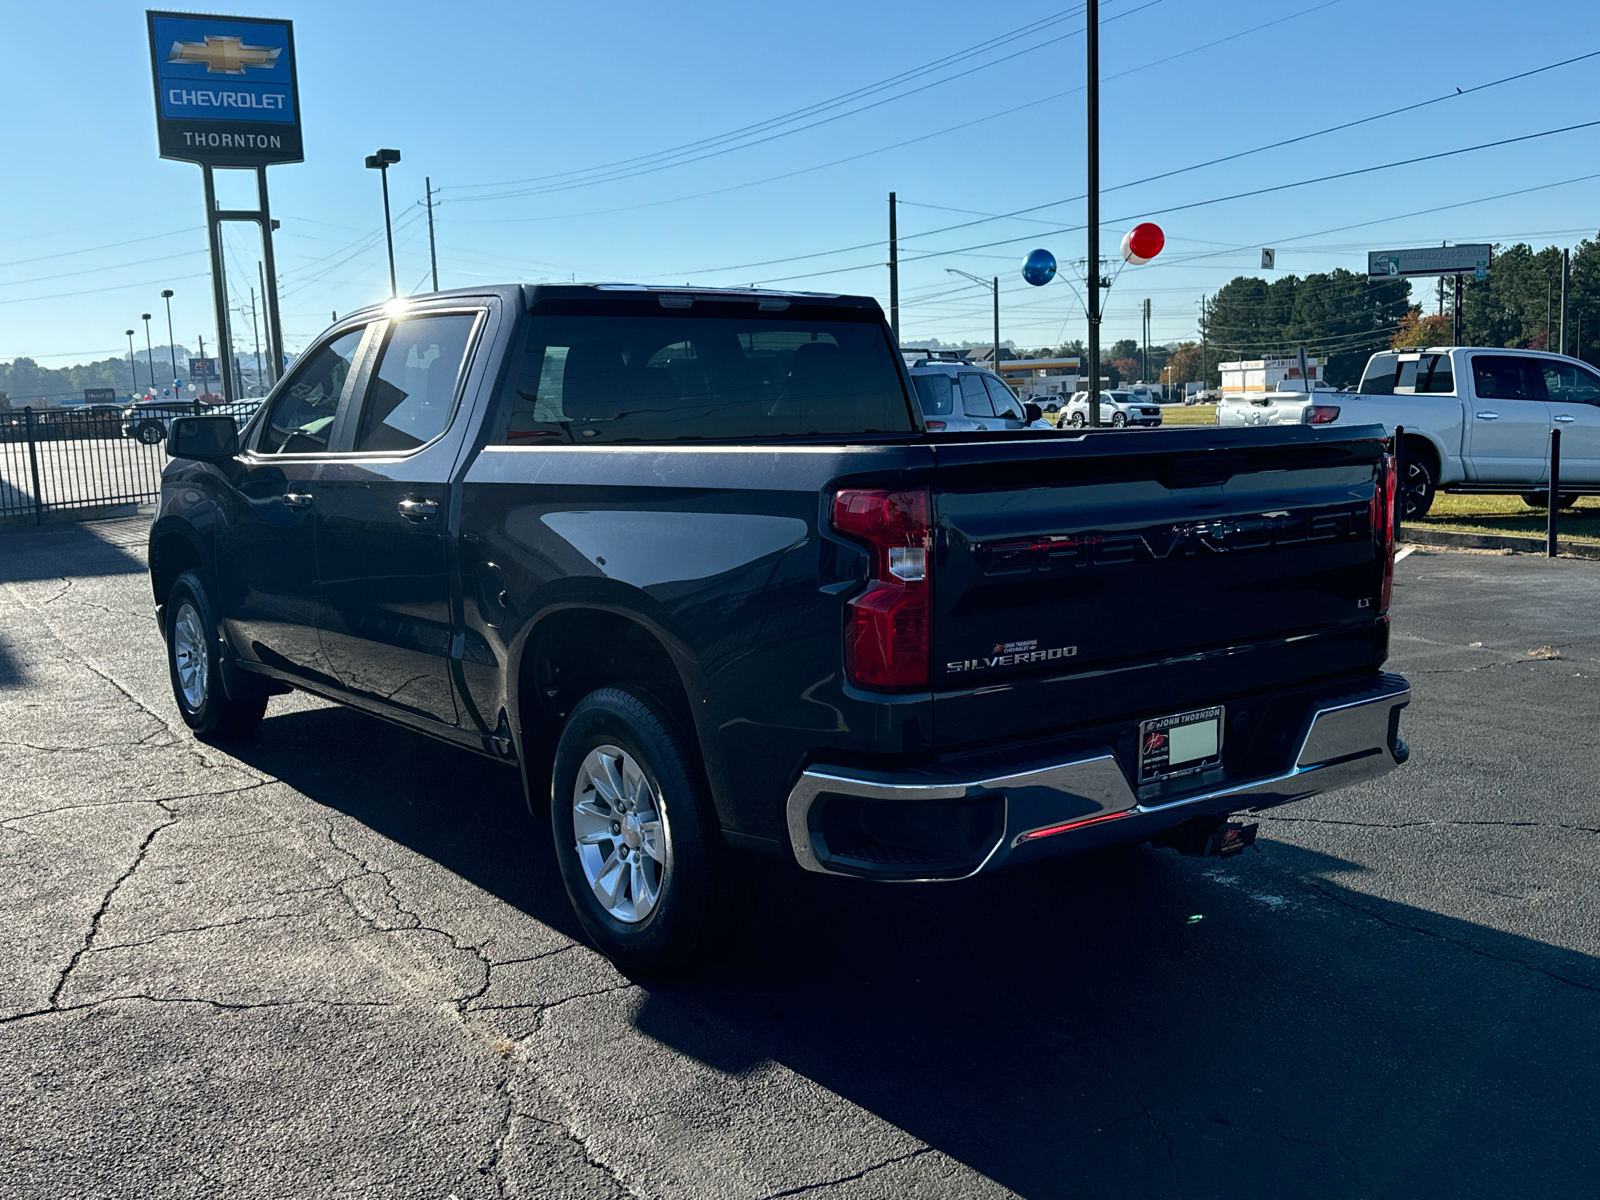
[1196, 736]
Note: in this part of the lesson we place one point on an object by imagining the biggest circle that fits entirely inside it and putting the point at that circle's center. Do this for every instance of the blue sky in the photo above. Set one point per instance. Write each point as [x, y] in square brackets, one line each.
[486, 97]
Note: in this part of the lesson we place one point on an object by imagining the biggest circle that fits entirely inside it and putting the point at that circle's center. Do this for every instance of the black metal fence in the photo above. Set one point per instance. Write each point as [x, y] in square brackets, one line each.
[69, 461]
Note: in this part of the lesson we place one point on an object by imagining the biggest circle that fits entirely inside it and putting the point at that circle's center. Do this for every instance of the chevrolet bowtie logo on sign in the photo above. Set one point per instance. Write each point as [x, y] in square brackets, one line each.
[224, 55]
[226, 94]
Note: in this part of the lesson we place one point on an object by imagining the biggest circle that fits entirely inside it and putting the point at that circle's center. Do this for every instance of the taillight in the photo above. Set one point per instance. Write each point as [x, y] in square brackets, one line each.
[889, 626]
[1383, 502]
[1320, 414]
[934, 426]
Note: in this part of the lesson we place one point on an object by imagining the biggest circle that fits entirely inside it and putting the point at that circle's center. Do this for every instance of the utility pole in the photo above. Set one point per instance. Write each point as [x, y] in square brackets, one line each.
[894, 274]
[997, 324]
[1145, 366]
[433, 257]
[1092, 188]
[1455, 339]
[1566, 265]
[205, 376]
[257, 331]
[272, 375]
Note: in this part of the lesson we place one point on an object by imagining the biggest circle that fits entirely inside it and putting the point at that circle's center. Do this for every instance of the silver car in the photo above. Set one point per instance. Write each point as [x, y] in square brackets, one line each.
[1117, 409]
[957, 398]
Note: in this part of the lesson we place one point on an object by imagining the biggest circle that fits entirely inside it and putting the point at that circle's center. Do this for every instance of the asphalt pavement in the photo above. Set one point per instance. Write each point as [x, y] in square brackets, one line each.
[336, 960]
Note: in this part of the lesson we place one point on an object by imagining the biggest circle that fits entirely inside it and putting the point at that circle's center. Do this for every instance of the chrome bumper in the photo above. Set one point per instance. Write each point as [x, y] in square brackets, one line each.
[1345, 742]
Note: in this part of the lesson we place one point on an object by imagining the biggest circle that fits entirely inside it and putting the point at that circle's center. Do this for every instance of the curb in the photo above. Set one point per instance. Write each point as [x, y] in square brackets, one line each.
[1490, 541]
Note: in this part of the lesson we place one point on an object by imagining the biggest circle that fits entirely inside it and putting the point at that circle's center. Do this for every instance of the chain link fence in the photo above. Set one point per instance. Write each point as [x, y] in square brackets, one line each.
[73, 462]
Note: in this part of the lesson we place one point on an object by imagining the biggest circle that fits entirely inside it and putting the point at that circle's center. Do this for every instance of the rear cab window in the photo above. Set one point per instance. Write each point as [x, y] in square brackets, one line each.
[590, 372]
[1378, 380]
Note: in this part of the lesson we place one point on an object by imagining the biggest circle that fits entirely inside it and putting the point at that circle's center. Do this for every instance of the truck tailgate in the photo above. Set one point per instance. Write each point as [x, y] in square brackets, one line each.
[1065, 569]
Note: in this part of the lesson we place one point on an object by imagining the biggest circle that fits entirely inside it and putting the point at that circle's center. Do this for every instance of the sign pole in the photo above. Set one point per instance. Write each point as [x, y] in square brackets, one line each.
[1092, 188]
[219, 285]
[269, 284]
[1456, 314]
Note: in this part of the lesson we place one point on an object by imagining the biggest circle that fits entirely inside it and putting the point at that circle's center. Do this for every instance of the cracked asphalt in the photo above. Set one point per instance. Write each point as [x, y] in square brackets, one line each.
[336, 960]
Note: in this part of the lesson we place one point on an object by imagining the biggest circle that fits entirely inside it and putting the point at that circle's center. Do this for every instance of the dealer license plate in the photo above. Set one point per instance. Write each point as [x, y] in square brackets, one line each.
[1180, 744]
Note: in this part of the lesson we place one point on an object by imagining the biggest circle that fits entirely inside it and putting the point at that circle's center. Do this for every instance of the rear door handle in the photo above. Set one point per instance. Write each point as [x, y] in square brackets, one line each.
[418, 510]
[1564, 418]
[1488, 416]
[297, 499]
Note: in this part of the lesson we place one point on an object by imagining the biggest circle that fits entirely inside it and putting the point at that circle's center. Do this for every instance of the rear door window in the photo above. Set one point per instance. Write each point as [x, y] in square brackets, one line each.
[413, 389]
[301, 419]
[974, 396]
[630, 378]
[1507, 377]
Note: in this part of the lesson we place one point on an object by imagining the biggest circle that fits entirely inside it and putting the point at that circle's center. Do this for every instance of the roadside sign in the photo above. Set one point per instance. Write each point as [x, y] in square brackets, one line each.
[1268, 258]
[226, 91]
[1430, 260]
[99, 395]
[202, 369]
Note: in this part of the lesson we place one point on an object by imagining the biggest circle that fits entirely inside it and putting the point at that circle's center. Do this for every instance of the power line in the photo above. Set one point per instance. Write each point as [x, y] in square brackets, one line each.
[17, 262]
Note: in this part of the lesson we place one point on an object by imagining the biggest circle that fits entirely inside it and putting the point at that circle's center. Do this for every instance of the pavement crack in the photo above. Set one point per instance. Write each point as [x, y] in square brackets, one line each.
[617, 1182]
[851, 1178]
[167, 933]
[105, 903]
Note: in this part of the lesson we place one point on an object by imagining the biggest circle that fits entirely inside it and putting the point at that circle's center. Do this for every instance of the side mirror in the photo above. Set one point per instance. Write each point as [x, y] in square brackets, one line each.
[1033, 412]
[204, 439]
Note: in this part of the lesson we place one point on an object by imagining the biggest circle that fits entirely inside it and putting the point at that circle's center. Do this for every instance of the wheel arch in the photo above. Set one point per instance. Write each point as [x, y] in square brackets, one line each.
[174, 549]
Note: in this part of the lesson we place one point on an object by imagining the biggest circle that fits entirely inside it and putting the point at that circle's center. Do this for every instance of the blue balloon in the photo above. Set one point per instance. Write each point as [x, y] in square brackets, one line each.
[1039, 268]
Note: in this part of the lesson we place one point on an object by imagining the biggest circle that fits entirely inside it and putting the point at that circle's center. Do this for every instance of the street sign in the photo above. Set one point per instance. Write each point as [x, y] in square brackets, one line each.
[202, 369]
[1470, 259]
[226, 91]
[99, 395]
[1268, 257]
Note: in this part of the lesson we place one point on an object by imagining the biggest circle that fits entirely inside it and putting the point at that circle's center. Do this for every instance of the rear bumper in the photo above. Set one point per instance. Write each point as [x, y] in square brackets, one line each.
[937, 823]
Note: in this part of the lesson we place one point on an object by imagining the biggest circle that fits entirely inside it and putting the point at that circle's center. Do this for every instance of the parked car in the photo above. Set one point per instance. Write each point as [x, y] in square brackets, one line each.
[1289, 404]
[1117, 409]
[695, 563]
[149, 420]
[1478, 420]
[958, 398]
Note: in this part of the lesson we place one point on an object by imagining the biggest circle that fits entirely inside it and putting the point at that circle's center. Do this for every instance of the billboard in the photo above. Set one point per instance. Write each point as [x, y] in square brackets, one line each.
[1430, 260]
[226, 92]
[202, 369]
[99, 395]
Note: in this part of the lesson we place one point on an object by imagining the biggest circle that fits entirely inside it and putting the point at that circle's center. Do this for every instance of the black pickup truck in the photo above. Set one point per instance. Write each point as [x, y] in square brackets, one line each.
[692, 561]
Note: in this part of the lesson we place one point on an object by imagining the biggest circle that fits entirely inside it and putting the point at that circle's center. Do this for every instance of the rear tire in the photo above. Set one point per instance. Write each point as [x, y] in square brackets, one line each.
[641, 853]
[150, 433]
[1417, 488]
[1078, 420]
[194, 664]
[1542, 499]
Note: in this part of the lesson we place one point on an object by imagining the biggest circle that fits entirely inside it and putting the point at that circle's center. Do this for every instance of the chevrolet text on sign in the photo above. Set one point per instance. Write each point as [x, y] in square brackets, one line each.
[226, 92]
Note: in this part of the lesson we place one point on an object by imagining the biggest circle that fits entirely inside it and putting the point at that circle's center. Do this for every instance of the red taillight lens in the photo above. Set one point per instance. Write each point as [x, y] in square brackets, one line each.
[1320, 414]
[1383, 502]
[934, 426]
[889, 626]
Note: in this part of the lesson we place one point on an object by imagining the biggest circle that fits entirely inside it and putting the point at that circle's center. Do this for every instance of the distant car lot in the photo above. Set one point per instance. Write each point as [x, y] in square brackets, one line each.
[334, 957]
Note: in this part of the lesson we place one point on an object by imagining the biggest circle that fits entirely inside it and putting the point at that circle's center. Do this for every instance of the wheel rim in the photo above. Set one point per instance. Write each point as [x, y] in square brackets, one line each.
[1417, 485]
[620, 833]
[1118, 420]
[150, 435]
[1077, 419]
[189, 656]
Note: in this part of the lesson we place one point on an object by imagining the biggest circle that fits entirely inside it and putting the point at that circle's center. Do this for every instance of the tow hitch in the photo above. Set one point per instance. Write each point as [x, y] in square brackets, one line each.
[1207, 837]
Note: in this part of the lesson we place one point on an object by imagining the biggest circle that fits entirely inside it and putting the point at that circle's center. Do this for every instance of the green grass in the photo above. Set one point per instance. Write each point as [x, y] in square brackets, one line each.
[1509, 515]
[1172, 414]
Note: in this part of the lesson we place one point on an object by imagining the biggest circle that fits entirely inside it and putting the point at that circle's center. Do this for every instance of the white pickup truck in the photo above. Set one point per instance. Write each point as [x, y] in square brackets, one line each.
[1478, 420]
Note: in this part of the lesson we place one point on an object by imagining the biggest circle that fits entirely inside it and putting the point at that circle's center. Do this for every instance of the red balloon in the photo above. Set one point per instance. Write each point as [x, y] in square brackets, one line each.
[1142, 243]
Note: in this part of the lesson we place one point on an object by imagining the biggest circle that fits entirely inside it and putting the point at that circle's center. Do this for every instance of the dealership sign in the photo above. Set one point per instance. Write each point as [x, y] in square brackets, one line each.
[203, 369]
[1430, 260]
[226, 93]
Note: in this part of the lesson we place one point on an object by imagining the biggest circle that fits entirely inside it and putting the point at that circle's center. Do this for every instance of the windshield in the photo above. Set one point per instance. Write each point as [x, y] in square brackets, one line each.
[937, 397]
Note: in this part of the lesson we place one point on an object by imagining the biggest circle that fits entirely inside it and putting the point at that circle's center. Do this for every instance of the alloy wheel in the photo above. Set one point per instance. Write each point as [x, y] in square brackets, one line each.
[189, 656]
[619, 827]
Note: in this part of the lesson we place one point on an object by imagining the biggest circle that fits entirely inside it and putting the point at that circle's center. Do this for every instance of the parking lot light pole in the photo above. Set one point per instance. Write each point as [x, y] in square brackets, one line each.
[381, 162]
[172, 348]
[149, 351]
[993, 283]
[131, 370]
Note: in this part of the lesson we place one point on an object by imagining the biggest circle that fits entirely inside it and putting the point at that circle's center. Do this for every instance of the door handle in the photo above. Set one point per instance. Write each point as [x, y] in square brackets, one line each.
[297, 499]
[1564, 418]
[1487, 416]
[418, 510]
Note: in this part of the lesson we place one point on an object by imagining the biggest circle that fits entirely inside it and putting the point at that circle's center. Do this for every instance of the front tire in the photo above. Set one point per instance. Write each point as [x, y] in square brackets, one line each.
[150, 433]
[194, 663]
[1118, 420]
[636, 835]
[1079, 420]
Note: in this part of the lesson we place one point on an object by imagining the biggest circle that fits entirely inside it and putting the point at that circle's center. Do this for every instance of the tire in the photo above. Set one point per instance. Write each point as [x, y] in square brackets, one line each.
[1542, 499]
[150, 433]
[1417, 488]
[194, 664]
[1118, 420]
[654, 846]
[1079, 420]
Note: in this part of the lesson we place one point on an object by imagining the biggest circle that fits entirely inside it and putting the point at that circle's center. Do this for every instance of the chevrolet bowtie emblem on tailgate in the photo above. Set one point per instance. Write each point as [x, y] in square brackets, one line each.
[223, 55]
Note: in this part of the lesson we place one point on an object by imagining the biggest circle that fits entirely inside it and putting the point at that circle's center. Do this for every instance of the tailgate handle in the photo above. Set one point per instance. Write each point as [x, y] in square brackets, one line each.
[1204, 472]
